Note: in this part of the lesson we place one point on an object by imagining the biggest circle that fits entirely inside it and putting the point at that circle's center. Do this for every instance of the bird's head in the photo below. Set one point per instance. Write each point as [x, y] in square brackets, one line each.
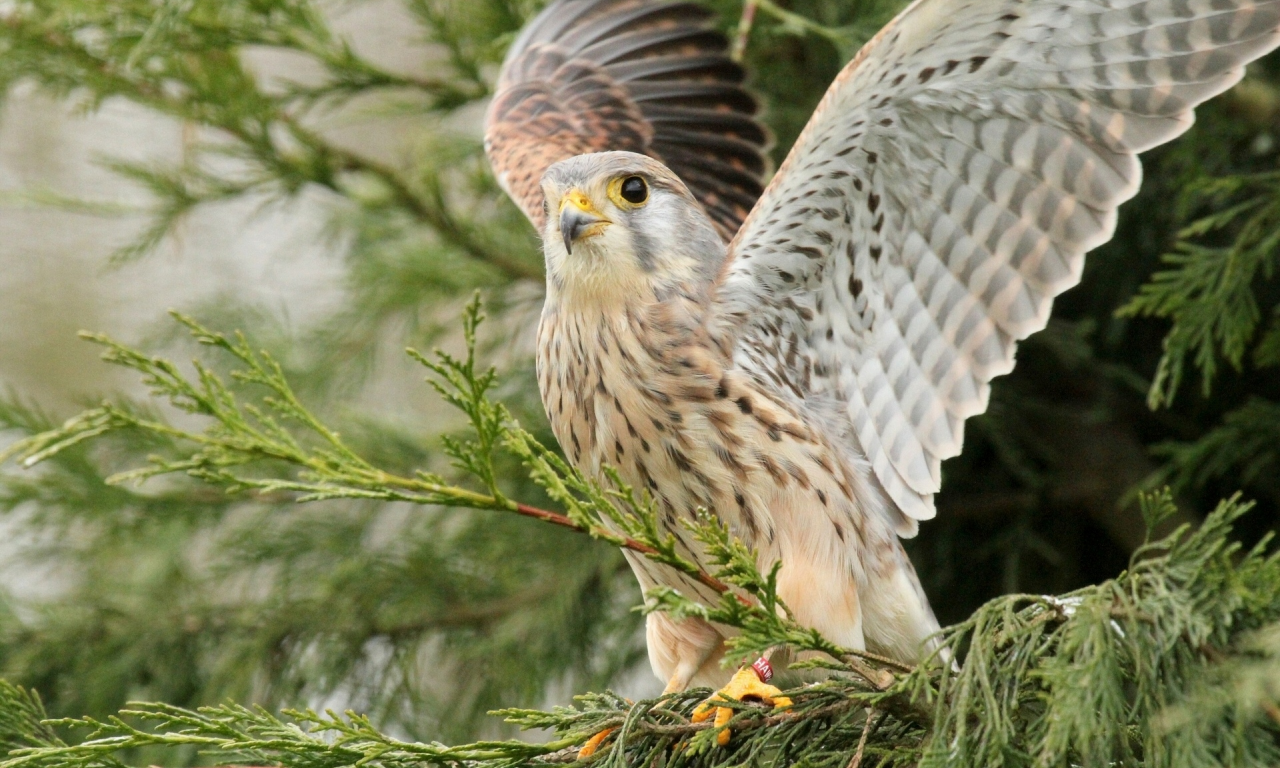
[621, 225]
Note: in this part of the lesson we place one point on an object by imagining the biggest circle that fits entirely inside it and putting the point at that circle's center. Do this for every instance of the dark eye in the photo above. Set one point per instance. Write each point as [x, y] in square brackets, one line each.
[634, 190]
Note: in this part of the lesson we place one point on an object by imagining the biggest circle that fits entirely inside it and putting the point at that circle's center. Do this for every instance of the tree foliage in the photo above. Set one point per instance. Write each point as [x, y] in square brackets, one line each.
[1176, 662]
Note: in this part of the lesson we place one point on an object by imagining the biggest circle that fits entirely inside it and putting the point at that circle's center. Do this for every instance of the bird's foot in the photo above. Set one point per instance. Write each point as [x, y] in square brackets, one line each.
[748, 684]
[594, 743]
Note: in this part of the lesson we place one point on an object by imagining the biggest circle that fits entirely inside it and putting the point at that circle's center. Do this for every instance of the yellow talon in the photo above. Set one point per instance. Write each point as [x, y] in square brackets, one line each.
[745, 686]
[594, 743]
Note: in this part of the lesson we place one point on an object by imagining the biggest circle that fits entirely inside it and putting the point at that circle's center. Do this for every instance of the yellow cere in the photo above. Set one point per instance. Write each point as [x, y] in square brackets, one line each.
[580, 201]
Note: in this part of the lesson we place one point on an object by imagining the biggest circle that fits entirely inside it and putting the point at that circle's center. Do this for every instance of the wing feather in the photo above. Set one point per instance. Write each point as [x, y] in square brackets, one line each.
[946, 191]
[647, 76]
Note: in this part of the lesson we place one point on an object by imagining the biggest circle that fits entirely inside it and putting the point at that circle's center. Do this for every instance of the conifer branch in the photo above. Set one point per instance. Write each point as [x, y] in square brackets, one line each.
[797, 24]
[277, 445]
[279, 429]
[741, 35]
[846, 39]
[1208, 290]
[245, 438]
[241, 434]
[1174, 663]
[1244, 447]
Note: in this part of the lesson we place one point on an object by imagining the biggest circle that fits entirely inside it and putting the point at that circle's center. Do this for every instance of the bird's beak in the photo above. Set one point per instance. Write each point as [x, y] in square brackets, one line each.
[578, 218]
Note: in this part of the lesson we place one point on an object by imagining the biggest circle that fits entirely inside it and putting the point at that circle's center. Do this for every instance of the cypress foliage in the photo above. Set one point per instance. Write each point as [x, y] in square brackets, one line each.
[406, 589]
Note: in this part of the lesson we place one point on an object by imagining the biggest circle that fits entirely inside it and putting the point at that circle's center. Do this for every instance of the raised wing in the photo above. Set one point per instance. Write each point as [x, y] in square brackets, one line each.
[639, 75]
[947, 189]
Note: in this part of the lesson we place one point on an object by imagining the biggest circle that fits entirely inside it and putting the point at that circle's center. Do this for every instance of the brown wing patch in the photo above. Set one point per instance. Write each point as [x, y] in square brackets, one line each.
[639, 75]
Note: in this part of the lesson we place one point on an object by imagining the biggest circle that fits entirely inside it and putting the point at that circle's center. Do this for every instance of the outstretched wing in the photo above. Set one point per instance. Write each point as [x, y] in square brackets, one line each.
[947, 188]
[641, 75]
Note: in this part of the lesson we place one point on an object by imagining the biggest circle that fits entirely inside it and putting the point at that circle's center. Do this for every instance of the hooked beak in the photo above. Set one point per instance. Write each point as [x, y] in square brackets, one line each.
[578, 218]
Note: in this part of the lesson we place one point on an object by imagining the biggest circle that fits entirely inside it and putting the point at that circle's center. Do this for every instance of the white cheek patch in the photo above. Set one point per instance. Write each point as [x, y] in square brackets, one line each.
[602, 267]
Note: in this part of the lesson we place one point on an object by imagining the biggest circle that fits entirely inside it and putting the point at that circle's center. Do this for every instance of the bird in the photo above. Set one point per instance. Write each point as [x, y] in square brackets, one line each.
[797, 358]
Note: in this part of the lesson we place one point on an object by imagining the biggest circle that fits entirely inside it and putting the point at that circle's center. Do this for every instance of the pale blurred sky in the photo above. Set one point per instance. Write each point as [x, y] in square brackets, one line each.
[55, 275]
[55, 278]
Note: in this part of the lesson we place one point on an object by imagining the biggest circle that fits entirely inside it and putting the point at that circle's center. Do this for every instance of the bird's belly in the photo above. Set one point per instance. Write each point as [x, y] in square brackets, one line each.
[697, 437]
[779, 491]
[781, 520]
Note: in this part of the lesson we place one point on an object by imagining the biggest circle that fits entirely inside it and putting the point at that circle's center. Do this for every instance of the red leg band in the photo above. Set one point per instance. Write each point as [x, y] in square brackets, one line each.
[763, 669]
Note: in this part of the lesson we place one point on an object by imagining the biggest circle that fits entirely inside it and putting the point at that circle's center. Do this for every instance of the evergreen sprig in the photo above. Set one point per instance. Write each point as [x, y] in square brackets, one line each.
[1173, 663]
[23, 721]
[764, 620]
[1209, 290]
[273, 444]
[1091, 677]
[1245, 447]
[275, 427]
[1215, 292]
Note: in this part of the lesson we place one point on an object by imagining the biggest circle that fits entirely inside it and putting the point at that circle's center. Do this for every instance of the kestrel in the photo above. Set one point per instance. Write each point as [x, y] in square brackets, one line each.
[802, 370]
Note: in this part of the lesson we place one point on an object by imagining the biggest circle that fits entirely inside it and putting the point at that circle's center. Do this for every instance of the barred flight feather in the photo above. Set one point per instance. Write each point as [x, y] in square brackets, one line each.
[946, 191]
[649, 76]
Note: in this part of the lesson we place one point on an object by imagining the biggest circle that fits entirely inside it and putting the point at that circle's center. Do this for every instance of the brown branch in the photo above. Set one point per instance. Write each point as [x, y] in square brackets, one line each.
[885, 660]
[856, 760]
[880, 679]
[627, 542]
[478, 617]
[473, 500]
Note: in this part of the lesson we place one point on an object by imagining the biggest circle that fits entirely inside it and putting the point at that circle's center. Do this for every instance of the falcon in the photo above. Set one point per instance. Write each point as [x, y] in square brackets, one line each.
[800, 360]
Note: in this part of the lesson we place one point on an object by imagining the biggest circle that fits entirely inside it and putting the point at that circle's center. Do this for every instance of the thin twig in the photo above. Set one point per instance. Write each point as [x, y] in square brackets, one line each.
[880, 679]
[1272, 710]
[885, 660]
[437, 217]
[556, 518]
[745, 22]
[799, 23]
[862, 740]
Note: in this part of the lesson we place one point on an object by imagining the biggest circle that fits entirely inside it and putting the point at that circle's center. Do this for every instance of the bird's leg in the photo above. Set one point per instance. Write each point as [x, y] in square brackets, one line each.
[594, 743]
[678, 681]
[748, 684]
[684, 672]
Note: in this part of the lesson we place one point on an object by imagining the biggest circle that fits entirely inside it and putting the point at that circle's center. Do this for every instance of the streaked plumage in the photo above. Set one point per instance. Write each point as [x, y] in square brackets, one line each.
[805, 381]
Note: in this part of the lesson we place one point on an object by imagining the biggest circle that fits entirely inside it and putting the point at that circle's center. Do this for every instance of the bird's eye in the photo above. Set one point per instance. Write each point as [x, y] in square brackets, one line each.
[634, 190]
